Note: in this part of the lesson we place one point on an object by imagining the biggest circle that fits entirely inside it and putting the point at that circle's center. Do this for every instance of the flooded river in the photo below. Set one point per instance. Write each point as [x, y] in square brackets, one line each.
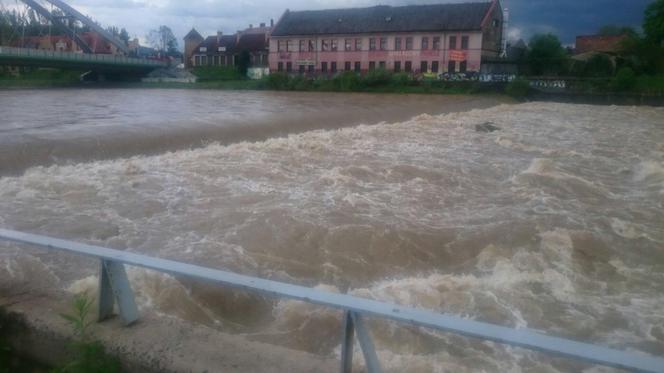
[555, 222]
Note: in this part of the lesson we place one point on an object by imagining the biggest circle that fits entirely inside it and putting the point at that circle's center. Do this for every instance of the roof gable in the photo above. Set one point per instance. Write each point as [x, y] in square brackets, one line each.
[193, 34]
[438, 17]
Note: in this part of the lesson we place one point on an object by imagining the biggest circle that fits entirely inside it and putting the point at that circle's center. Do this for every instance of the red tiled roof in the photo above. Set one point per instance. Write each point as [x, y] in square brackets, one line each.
[599, 43]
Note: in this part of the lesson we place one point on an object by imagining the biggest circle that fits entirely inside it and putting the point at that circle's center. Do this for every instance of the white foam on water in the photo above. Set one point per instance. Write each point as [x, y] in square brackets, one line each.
[533, 226]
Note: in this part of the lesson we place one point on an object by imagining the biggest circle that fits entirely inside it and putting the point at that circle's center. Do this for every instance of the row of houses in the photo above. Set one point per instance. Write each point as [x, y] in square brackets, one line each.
[416, 38]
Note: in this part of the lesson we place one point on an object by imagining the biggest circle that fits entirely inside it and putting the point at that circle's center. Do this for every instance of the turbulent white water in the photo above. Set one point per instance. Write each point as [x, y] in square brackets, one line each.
[556, 223]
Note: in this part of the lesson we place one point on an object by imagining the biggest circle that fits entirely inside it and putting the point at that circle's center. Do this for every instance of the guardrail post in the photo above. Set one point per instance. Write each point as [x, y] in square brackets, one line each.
[114, 287]
[353, 324]
[348, 337]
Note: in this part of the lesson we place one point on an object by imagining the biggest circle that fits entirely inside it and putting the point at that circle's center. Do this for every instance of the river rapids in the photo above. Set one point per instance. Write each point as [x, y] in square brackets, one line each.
[555, 222]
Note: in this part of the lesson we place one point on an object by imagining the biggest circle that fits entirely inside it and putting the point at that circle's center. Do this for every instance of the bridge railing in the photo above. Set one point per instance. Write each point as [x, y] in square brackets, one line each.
[114, 287]
[69, 56]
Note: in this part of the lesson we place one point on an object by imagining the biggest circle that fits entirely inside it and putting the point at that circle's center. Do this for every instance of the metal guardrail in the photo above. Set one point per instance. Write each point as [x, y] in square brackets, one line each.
[115, 287]
[68, 56]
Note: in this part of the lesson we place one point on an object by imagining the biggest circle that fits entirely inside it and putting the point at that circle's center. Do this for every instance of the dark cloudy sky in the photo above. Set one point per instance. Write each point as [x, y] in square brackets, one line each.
[567, 18]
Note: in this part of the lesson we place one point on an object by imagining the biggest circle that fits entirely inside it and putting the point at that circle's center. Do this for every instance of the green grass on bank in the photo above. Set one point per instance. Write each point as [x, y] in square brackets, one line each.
[40, 78]
[377, 81]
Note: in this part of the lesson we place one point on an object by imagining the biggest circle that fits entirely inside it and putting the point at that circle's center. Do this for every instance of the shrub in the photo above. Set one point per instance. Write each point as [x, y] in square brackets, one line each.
[299, 83]
[625, 80]
[402, 79]
[277, 81]
[211, 74]
[599, 65]
[348, 81]
[377, 78]
[90, 355]
[518, 88]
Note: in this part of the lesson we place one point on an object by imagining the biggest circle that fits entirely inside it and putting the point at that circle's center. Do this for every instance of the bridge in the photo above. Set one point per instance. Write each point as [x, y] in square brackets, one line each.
[103, 63]
[100, 63]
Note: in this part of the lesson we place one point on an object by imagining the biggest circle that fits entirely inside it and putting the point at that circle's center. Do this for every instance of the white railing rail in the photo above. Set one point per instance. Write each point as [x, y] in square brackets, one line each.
[70, 56]
[115, 287]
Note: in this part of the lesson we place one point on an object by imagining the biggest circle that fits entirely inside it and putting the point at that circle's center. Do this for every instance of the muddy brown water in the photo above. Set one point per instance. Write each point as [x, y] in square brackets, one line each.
[555, 222]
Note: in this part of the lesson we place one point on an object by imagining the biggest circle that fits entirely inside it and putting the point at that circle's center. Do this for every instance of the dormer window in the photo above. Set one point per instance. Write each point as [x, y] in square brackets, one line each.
[222, 49]
[203, 49]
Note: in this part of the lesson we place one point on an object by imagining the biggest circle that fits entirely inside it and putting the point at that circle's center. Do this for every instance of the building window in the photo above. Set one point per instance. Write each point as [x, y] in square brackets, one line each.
[397, 44]
[372, 65]
[397, 66]
[333, 67]
[453, 42]
[280, 66]
[281, 46]
[425, 43]
[382, 65]
[358, 44]
[323, 67]
[203, 49]
[424, 67]
[325, 46]
[434, 67]
[289, 67]
[409, 66]
[372, 44]
[436, 43]
[204, 60]
[301, 69]
[464, 42]
[311, 69]
[347, 66]
[358, 67]
[451, 67]
[463, 67]
[348, 45]
[197, 61]
[303, 45]
[335, 45]
[409, 43]
[289, 46]
[383, 44]
[312, 46]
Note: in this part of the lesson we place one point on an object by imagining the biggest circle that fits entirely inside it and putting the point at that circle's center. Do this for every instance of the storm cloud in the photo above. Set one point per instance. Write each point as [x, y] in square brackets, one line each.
[566, 18]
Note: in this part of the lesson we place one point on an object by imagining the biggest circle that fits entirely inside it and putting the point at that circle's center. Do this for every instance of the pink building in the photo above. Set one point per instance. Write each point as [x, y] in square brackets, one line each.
[416, 38]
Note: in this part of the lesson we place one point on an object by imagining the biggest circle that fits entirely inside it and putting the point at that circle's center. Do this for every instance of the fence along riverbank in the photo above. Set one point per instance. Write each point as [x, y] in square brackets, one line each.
[115, 287]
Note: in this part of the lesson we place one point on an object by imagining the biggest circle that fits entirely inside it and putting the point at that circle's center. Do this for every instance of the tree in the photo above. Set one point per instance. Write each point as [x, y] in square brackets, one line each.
[244, 62]
[163, 40]
[546, 55]
[124, 36]
[654, 23]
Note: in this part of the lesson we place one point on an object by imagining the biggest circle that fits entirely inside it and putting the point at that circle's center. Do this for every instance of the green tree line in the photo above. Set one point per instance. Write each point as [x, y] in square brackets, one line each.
[642, 54]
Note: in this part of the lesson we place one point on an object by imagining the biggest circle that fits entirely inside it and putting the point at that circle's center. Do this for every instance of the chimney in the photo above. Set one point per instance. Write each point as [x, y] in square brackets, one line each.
[263, 25]
[219, 35]
[271, 22]
[251, 26]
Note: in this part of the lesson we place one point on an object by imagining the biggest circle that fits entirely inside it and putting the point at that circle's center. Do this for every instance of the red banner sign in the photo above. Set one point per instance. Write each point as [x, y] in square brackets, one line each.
[458, 56]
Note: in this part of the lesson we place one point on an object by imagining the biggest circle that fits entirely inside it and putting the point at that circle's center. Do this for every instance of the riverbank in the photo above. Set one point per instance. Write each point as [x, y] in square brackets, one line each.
[154, 344]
